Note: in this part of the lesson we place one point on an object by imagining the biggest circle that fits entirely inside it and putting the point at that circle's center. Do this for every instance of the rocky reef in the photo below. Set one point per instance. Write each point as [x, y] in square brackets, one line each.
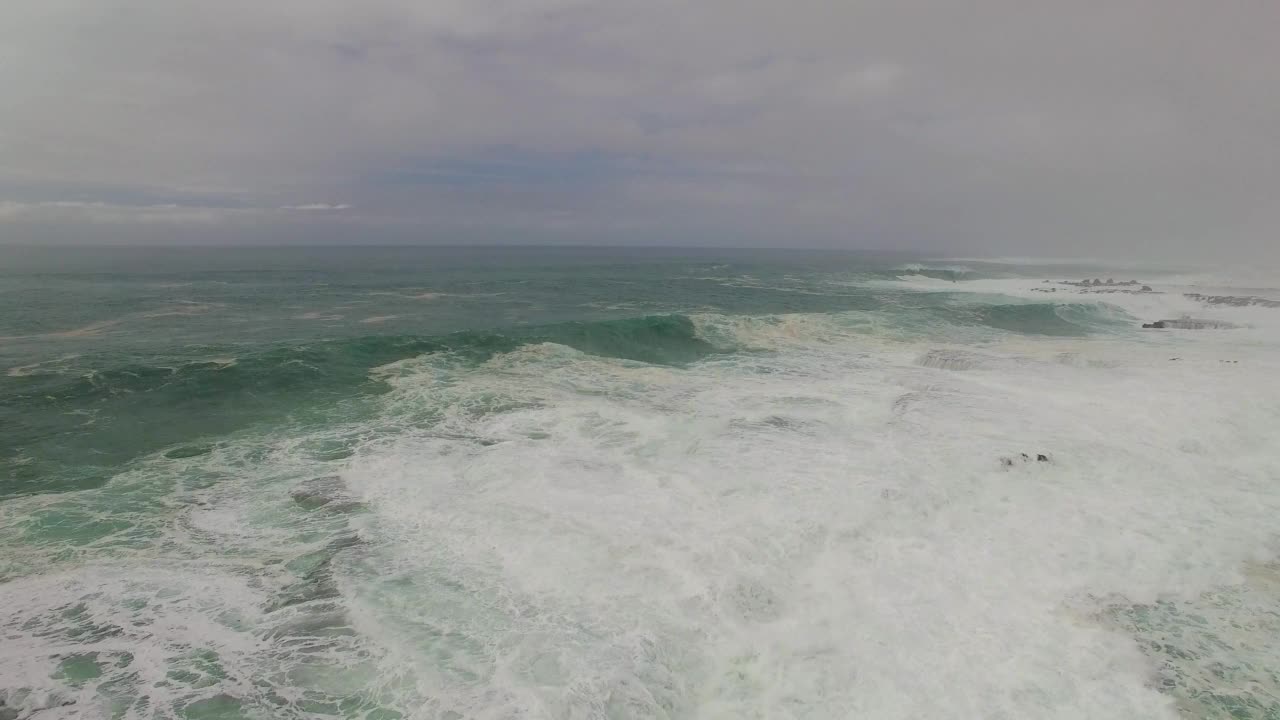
[1187, 323]
[1098, 282]
[1233, 300]
[1097, 285]
[1010, 461]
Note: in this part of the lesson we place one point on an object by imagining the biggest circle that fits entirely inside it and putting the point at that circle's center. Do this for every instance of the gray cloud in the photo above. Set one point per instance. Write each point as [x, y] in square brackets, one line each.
[1131, 127]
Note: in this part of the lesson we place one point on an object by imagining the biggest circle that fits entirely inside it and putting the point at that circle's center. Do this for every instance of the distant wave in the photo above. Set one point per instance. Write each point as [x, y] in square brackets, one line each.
[943, 272]
[671, 339]
[1022, 260]
[1066, 319]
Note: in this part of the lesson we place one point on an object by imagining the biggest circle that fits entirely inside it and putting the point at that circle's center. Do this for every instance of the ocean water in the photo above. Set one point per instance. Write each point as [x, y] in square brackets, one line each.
[578, 483]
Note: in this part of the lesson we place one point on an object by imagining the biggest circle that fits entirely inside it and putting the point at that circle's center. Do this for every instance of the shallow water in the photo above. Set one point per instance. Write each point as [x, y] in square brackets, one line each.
[631, 484]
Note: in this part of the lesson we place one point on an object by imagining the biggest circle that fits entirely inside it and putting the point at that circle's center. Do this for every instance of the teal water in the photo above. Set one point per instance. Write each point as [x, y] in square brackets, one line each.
[113, 354]
[559, 482]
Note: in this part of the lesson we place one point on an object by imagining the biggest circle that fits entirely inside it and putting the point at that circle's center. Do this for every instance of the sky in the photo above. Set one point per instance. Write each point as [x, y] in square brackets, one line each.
[997, 127]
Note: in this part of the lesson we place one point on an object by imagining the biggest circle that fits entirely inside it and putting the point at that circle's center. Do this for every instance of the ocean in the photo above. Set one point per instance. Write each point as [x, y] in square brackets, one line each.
[507, 483]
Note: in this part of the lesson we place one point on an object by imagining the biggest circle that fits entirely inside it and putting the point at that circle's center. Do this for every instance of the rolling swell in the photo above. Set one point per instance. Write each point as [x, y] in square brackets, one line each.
[1073, 319]
[951, 273]
[76, 427]
[660, 339]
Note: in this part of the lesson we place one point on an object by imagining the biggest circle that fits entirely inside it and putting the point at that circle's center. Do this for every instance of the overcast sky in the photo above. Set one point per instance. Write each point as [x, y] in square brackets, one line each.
[1081, 127]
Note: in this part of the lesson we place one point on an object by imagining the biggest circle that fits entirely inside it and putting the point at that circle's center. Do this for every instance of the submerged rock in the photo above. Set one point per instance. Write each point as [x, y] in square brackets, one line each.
[328, 492]
[188, 451]
[315, 574]
[332, 621]
[947, 359]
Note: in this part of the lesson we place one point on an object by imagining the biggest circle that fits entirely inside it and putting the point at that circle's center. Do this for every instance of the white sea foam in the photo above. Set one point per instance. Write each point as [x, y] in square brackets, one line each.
[129, 625]
[182, 308]
[45, 366]
[91, 330]
[821, 532]
[949, 267]
[413, 294]
[816, 525]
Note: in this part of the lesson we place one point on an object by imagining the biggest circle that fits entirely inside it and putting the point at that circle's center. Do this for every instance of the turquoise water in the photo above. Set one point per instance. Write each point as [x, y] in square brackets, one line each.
[558, 482]
[123, 352]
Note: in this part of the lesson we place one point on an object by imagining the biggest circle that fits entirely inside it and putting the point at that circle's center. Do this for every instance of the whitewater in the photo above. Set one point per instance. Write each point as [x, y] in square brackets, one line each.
[707, 487]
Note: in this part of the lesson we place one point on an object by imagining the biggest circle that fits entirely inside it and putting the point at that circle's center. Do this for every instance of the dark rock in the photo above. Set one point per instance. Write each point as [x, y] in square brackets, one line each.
[328, 492]
[1189, 323]
[1096, 282]
[1145, 288]
[1008, 462]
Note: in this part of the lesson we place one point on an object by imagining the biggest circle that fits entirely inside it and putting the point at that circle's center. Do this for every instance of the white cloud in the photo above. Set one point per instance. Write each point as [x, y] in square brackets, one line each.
[98, 212]
[117, 214]
[316, 206]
